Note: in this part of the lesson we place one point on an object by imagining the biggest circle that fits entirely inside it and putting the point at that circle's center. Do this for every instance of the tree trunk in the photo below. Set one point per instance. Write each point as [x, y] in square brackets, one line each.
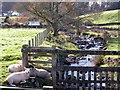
[55, 33]
[55, 29]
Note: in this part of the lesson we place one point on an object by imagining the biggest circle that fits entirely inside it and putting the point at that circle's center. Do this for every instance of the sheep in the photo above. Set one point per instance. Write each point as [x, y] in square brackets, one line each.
[42, 73]
[15, 68]
[17, 77]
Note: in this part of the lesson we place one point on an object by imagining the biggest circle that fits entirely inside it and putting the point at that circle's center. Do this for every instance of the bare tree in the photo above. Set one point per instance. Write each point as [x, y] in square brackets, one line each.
[57, 14]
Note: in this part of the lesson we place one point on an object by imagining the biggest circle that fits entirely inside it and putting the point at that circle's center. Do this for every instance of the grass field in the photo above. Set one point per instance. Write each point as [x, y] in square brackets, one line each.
[12, 41]
[10, 47]
[102, 17]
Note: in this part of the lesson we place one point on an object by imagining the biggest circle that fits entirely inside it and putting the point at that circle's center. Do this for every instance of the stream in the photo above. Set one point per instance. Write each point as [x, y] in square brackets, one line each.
[85, 43]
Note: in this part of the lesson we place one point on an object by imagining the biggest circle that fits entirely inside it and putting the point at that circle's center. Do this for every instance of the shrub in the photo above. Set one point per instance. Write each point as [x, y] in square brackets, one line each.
[98, 60]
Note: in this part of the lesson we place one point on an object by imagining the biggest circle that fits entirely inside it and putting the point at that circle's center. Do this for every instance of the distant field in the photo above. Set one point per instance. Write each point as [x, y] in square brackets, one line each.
[102, 17]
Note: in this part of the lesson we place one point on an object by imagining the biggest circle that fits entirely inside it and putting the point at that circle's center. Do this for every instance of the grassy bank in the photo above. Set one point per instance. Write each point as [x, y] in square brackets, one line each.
[102, 17]
[113, 45]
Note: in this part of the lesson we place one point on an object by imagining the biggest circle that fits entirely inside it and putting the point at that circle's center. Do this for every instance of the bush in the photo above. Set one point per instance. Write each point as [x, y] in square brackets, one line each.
[98, 60]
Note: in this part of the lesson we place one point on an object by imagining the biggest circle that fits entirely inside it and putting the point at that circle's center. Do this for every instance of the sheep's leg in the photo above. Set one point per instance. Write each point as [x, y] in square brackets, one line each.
[23, 81]
[11, 84]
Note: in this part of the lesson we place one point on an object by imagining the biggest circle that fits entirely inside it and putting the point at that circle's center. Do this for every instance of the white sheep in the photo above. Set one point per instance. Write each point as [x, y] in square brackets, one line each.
[15, 68]
[17, 77]
[39, 73]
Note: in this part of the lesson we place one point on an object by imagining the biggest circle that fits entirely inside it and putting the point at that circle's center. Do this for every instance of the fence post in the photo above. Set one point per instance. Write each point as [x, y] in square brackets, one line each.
[29, 43]
[44, 35]
[54, 62]
[41, 37]
[37, 40]
[118, 79]
[32, 42]
[24, 55]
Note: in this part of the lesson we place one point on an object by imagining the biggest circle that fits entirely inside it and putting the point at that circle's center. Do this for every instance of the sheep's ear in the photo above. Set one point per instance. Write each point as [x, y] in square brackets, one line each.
[31, 66]
[25, 68]
[20, 65]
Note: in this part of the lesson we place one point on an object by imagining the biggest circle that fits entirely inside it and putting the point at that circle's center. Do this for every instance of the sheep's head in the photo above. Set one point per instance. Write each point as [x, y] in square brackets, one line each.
[32, 69]
[20, 65]
[27, 71]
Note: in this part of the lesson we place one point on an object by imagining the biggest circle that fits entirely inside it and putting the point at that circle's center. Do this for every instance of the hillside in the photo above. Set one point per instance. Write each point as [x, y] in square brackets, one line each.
[102, 17]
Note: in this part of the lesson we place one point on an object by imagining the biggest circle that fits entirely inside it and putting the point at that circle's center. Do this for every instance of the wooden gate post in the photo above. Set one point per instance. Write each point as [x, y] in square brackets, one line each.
[54, 62]
[118, 79]
[24, 55]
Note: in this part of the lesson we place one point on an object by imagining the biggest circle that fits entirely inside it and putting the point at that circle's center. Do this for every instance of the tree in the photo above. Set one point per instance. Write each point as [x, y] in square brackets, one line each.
[114, 5]
[81, 8]
[57, 14]
[95, 7]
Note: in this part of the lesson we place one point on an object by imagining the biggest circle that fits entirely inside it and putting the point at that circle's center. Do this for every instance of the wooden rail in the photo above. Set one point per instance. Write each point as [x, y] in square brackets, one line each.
[111, 74]
[26, 48]
[104, 77]
[16, 88]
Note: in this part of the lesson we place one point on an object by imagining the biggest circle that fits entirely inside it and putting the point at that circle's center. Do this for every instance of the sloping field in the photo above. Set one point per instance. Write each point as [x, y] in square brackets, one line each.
[102, 17]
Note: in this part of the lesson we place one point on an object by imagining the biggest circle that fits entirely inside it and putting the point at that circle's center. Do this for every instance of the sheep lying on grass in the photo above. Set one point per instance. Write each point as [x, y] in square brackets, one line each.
[17, 77]
[15, 68]
[35, 72]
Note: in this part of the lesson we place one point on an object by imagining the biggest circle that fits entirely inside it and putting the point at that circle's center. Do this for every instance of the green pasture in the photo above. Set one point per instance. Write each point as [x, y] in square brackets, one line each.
[12, 41]
[102, 17]
[10, 47]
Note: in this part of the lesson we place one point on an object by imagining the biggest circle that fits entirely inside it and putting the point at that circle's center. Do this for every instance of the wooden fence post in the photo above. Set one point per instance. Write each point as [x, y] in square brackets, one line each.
[40, 38]
[37, 39]
[118, 80]
[24, 55]
[29, 43]
[54, 62]
[33, 42]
